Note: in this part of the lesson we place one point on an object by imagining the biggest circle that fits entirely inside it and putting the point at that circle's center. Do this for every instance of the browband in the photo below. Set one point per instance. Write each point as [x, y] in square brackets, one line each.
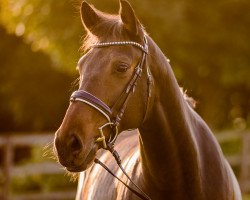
[107, 44]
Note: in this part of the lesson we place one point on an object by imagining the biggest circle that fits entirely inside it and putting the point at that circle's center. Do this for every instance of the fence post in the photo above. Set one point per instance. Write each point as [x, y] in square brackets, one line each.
[8, 161]
[245, 162]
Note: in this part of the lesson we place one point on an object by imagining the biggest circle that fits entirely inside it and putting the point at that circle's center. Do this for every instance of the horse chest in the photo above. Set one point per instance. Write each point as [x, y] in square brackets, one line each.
[99, 184]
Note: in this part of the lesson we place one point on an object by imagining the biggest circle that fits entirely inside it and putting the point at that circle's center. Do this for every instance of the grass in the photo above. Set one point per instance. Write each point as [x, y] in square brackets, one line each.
[231, 147]
[41, 183]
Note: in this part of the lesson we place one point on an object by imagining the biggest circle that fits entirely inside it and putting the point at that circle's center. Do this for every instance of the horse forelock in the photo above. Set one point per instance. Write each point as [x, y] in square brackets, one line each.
[110, 29]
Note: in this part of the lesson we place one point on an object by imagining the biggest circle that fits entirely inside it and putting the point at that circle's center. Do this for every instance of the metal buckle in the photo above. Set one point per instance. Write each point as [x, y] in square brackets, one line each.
[102, 137]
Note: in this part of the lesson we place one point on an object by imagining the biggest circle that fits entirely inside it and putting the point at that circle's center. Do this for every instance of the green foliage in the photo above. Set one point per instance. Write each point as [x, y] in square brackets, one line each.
[52, 26]
[232, 147]
[34, 95]
[27, 184]
[206, 41]
[41, 183]
[246, 197]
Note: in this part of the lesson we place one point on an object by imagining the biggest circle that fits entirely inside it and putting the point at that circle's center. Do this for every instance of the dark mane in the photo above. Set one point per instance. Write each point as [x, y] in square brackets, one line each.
[189, 99]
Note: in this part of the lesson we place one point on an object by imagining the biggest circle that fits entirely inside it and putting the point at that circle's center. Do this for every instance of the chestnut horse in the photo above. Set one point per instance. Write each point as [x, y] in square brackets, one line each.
[126, 82]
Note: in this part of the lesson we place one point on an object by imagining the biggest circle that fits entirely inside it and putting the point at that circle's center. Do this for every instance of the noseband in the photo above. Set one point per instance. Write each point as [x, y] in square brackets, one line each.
[112, 117]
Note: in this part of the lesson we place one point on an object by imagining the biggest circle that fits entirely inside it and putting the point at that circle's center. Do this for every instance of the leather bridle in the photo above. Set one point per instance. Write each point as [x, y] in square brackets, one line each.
[109, 113]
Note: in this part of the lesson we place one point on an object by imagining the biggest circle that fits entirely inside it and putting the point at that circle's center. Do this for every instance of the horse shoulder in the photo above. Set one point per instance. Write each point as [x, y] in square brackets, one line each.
[99, 184]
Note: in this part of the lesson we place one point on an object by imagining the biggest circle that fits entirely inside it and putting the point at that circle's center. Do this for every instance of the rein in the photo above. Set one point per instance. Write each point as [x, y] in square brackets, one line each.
[107, 112]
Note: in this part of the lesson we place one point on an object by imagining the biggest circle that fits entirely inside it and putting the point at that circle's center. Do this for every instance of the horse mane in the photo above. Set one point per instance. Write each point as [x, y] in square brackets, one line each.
[191, 101]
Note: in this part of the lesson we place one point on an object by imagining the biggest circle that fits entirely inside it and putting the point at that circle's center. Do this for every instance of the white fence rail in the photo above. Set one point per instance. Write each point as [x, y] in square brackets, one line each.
[11, 141]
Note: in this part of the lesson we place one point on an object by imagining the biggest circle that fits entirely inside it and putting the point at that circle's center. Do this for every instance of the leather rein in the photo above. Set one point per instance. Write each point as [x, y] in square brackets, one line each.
[112, 117]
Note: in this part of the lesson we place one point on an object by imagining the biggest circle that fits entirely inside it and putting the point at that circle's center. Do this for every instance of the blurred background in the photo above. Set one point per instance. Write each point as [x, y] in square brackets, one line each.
[206, 41]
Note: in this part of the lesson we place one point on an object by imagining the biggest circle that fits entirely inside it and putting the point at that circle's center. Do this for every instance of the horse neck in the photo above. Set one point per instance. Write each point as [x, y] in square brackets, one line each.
[168, 149]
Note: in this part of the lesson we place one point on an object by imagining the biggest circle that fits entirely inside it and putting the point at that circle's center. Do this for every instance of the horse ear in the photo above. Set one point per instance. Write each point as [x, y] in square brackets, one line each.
[90, 16]
[128, 17]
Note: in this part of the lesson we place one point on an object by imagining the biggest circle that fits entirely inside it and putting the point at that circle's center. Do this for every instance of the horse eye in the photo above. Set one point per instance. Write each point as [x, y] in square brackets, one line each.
[122, 68]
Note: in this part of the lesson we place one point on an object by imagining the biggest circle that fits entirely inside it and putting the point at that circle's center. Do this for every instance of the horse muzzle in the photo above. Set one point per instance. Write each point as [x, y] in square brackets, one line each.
[72, 154]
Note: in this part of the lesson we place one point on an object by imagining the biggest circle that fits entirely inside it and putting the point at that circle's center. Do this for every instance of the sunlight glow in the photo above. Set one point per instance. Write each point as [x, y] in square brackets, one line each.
[20, 29]
[28, 10]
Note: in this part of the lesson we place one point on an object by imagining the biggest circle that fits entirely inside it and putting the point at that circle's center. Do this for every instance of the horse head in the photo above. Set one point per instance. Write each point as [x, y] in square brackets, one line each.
[113, 66]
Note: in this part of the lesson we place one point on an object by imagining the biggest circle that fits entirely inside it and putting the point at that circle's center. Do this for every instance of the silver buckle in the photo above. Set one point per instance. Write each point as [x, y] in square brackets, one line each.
[102, 137]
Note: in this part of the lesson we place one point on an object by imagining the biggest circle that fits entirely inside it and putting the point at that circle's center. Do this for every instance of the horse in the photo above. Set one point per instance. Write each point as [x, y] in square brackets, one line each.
[126, 83]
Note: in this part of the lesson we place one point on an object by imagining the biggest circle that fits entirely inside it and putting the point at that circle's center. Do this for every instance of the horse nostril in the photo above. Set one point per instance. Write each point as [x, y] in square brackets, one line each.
[75, 144]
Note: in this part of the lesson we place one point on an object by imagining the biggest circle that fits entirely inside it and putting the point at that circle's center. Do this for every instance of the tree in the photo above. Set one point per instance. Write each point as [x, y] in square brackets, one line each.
[51, 26]
[206, 41]
[34, 95]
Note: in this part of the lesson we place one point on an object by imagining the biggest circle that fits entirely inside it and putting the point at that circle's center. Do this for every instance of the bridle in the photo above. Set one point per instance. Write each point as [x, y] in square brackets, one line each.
[113, 117]
[109, 113]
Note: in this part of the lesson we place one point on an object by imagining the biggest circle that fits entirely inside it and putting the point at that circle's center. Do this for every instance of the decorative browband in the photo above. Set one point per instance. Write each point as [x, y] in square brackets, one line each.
[106, 44]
